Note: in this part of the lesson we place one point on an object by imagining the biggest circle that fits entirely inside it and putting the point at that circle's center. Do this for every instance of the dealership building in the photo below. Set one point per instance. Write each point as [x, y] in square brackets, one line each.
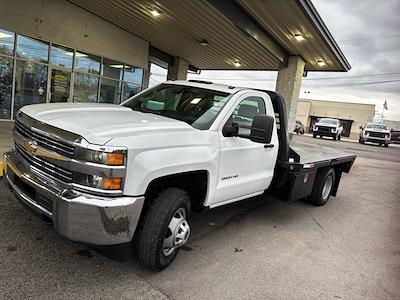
[100, 51]
[350, 115]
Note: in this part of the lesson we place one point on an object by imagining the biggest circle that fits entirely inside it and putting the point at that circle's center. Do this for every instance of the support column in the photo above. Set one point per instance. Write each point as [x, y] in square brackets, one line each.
[288, 85]
[146, 77]
[178, 70]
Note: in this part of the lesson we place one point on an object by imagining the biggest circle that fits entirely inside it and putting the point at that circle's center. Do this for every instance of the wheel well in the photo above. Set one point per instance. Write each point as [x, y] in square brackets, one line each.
[193, 182]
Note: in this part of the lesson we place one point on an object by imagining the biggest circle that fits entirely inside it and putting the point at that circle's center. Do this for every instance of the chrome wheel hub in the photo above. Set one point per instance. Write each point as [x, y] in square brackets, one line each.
[178, 232]
[326, 190]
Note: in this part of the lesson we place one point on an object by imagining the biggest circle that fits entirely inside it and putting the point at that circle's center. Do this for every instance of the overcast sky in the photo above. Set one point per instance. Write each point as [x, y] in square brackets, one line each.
[368, 32]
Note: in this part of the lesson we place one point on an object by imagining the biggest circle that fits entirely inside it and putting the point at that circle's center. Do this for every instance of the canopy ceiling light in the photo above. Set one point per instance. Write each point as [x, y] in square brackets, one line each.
[299, 37]
[155, 13]
[321, 63]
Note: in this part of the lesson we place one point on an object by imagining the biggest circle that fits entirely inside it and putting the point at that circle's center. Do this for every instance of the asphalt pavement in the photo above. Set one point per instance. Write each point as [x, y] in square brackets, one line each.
[260, 248]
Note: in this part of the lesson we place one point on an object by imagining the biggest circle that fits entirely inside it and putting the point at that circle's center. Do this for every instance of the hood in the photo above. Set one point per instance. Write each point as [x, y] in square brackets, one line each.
[99, 123]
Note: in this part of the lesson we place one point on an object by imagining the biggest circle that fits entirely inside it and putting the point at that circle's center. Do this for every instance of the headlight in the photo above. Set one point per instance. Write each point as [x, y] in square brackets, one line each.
[315, 128]
[100, 157]
[98, 182]
[333, 130]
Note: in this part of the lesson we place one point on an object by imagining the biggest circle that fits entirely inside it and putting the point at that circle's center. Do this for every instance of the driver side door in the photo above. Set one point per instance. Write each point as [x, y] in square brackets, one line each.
[246, 168]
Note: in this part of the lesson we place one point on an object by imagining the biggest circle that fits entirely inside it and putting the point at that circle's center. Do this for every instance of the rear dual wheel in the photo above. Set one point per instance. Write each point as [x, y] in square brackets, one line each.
[323, 187]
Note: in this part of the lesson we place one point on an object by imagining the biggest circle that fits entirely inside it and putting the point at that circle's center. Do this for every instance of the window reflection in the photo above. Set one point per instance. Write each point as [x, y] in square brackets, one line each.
[112, 69]
[87, 63]
[30, 84]
[133, 75]
[32, 49]
[61, 56]
[6, 42]
[85, 87]
[6, 69]
[110, 91]
[130, 90]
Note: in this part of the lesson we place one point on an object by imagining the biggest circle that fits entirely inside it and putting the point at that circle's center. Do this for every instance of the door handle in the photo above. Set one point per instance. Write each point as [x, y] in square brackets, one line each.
[269, 146]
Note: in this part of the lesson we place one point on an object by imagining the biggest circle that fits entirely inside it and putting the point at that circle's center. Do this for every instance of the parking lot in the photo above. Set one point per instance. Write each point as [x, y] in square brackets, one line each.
[259, 248]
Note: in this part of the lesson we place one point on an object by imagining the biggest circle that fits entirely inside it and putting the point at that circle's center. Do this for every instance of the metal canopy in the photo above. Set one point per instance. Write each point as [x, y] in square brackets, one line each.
[227, 34]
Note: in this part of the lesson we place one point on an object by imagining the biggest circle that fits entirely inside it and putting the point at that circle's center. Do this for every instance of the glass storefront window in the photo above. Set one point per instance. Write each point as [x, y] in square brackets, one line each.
[30, 84]
[87, 63]
[110, 91]
[32, 49]
[65, 75]
[130, 90]
[112, 69]
[6, 42]
[133, 75]
[85, 87]
[6, 72]
[61, 56]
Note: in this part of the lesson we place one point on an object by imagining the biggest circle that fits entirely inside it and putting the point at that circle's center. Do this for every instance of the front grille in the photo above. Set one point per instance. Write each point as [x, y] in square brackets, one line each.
[377, 134]
[325, 129]
[45, 141]
[45, 166]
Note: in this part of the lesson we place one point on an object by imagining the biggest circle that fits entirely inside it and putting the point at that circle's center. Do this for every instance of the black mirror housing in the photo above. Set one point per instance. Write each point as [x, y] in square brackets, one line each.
[231, 129]
[262, 128]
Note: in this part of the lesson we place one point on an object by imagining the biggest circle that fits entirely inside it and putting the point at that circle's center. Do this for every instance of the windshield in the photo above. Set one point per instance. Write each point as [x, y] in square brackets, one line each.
[376, 126]
[328, 121]
[196, 106]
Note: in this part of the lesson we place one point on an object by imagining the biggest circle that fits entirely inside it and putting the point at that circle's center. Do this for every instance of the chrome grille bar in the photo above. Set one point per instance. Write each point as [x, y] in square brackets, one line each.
[45, 141]
[44, 166]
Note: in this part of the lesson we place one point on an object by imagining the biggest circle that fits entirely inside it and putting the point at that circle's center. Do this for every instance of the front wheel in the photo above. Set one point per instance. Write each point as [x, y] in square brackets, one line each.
[386, 145]
[339, 137]
[164, 229]
[323, 187]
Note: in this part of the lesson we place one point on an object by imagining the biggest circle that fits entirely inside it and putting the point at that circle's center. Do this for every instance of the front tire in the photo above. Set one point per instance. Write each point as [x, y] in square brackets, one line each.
[339, 137]
[323, 187]
[164, 229]
[386, 145]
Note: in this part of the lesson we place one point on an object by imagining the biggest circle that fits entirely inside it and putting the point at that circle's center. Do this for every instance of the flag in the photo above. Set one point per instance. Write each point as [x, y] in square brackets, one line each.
[385, 105]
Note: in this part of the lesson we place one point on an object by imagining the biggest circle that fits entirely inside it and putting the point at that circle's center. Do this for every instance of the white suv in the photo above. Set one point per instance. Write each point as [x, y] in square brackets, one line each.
[328, 127]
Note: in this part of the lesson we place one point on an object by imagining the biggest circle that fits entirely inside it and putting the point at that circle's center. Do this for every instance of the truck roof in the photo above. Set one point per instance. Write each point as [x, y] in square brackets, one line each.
[209, 85]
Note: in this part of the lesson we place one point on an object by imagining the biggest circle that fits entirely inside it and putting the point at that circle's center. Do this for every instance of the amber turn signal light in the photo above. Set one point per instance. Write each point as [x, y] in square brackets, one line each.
[112, 183]
[115, 159]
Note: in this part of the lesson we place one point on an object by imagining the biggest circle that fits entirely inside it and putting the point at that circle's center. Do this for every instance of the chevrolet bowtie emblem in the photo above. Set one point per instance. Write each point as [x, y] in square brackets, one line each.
[31, 147]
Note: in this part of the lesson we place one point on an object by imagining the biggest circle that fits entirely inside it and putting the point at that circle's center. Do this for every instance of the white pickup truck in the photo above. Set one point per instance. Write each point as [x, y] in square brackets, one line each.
[328, 127]
[107, 174]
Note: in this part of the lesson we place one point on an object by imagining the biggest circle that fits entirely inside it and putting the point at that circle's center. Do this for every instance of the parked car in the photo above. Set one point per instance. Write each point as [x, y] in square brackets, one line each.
[132, 173]
[299, 127]
[328, 127]
[395, 136]
[374, 133]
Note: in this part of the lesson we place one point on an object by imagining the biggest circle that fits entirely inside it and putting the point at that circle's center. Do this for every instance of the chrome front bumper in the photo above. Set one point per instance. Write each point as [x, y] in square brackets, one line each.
[75, 215]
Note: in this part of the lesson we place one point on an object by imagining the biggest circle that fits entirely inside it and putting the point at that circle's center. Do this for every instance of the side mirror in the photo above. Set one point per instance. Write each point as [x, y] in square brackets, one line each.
[361, 127]
[262, 128]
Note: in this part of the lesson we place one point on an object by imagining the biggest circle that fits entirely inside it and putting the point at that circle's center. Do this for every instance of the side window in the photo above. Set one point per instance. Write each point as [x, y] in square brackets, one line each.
[245, 112]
